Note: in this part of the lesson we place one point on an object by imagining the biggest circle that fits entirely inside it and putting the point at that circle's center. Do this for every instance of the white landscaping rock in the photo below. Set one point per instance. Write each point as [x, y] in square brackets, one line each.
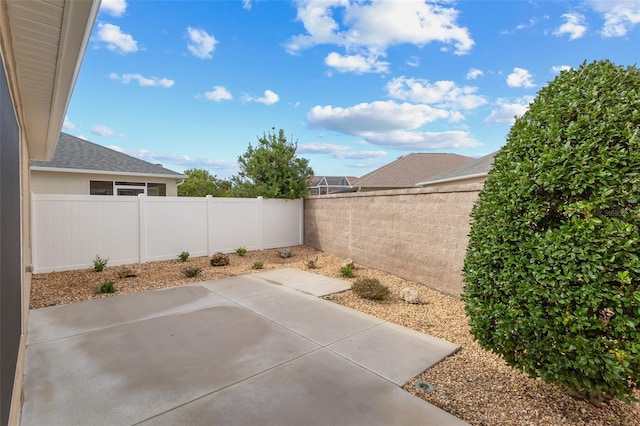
[410, 295]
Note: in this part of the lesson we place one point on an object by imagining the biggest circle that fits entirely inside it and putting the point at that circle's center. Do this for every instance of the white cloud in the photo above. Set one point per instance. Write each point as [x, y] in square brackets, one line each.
[184, 160]
[269, 98]
[620, 16]
[142, 80]
[390, 124]
[246, 4]
[413, 61]
[367, 29]
[115, 39]
[338, 151]
[101, 130]
[474, 73]
[423, 141]
[356, 63]
[379, 116]
[442, 93]
[574, 26]
[532, 22]
[520, 77]
[556, 69]
[508, 110]
[219, 93]
[113, 7]
[200, 43]
[67, 125]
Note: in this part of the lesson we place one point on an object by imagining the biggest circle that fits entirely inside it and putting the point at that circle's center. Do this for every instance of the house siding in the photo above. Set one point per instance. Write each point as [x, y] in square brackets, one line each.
[47, 182]
[11, 306]
[417, 234]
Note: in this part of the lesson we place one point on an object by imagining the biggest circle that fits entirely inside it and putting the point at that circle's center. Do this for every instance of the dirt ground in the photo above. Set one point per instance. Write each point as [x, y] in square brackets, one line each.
[473, 384]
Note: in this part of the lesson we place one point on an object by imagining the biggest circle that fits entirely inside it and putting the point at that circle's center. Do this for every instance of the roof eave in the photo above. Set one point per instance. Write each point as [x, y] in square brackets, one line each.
[77, 24]
[41, 103]
[453, 179]
[105, 172]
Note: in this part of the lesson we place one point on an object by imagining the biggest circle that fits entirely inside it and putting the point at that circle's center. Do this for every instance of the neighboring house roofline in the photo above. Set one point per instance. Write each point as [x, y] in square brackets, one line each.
[453, 179]
[105, 172]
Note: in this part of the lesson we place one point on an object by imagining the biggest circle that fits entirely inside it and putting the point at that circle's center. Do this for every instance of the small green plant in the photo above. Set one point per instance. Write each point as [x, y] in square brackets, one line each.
[370, 288]
[241, 251]
[108, 287]
[258, 265]
[347, 272]
[184, 256]
[191, 271]
[99, 263]
[219, 259]
[284, 253]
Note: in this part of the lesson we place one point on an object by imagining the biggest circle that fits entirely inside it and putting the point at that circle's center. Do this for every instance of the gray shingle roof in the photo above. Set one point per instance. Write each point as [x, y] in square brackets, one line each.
[408, 170]
[76, 153]
[479, 166]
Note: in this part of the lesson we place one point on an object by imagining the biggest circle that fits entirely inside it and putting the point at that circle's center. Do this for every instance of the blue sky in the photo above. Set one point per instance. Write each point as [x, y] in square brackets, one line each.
[189, 84]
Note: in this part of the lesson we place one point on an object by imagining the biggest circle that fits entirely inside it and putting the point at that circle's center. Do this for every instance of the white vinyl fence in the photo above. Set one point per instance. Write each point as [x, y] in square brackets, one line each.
[70, 230]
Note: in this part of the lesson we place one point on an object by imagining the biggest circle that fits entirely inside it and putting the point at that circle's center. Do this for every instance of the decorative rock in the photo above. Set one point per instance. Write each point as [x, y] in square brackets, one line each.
[410, 295]
[284, 252]
[347, 263]
[128, 272]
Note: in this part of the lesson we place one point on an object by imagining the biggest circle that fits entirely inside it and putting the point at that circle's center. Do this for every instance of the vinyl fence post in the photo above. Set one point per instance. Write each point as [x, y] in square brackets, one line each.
[142, 228]
[261, 222]
[209, 228]
[301, 227]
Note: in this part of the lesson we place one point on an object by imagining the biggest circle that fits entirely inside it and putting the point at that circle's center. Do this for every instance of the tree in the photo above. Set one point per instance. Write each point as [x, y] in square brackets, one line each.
[200, 183]
[272, 170]
[552, 269]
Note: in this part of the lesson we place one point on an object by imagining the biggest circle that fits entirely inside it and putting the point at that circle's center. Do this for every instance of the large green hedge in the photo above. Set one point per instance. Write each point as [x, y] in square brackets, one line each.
[552, 270]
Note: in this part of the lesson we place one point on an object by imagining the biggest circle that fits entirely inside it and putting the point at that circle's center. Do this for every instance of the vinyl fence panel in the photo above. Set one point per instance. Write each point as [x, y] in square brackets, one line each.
[70, 230]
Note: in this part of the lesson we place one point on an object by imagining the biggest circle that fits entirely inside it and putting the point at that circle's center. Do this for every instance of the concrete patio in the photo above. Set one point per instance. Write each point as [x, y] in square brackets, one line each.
[257, 349]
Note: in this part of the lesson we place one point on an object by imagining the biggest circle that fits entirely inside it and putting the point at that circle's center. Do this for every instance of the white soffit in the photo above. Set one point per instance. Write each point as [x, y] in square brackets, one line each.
[47, 40]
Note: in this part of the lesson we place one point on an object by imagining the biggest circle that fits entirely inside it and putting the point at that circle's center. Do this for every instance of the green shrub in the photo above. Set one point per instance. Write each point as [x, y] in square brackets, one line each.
[241, 251]
[184, 256]
[219, 259]
[370, 288]
[191, 271]
[108, 287]
[258, 265]
[99, 263]
[552, 269]
[347, 271]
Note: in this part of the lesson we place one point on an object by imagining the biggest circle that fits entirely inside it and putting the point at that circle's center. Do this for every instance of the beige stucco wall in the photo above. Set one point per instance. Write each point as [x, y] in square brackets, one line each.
[417, 234]
[45, 182]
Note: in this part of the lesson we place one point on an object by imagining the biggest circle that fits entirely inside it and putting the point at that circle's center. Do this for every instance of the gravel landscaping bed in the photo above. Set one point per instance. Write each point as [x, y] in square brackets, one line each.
[472, 384]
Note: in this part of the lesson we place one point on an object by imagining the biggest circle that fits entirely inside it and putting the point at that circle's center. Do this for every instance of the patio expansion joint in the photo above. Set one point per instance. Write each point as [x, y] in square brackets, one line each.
[259, 373]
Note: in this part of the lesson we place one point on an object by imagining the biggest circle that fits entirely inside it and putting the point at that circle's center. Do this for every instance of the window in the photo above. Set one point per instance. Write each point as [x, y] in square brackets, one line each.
[101, 187]
[108, 187]
[157, 189]
[130, 188]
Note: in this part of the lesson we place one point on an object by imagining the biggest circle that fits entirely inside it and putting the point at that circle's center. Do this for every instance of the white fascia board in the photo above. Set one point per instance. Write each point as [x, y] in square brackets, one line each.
[452, 179]
[104, 172]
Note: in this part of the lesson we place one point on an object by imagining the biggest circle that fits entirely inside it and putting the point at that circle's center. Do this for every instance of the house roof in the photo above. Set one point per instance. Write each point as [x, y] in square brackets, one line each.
[76, 154]
[409, 169]
[477, 168]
